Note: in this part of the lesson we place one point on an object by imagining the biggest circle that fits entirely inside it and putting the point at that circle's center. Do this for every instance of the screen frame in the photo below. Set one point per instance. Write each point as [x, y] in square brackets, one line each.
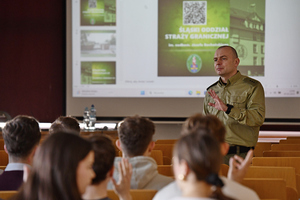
[277, 109]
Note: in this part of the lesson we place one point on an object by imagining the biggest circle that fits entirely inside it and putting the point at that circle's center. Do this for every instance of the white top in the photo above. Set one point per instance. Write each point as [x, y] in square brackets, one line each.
[144, 174]
[191, 198]
[231, 189]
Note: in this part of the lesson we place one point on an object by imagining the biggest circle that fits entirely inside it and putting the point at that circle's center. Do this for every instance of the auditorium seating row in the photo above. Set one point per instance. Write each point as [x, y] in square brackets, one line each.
[274, 174]
[136, 194]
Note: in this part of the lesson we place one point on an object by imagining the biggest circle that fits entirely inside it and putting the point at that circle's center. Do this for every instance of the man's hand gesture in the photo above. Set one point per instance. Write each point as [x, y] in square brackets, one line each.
[219, 104]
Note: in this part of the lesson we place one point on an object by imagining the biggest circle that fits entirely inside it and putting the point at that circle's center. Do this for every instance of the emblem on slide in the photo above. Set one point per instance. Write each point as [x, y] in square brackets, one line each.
[242, 51]
[194, 63]
[92, 21]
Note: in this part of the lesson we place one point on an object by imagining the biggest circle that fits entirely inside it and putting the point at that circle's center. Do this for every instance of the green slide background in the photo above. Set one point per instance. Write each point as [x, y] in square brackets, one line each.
[89, 73]
[172, 60]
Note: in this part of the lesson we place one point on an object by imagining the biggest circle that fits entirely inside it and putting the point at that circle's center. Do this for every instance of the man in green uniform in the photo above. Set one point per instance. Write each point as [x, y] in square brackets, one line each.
[238, 101]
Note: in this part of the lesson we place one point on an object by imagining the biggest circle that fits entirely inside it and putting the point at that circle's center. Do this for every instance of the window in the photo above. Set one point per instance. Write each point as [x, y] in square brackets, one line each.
[254, 60]
[254, 48]
[262, 49]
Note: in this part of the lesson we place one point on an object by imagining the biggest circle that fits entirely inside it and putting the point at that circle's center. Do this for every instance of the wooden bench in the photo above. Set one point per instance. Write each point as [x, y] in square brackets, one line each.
[137, 194]
[267, 188]
[167, 150]
[286, 173]
[279, 153]
[260, 148]
[280, 162]
[7, 194]
[286, 147]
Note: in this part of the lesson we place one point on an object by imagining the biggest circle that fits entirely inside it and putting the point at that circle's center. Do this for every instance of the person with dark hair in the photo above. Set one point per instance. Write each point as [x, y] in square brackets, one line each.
[238, 101]
[237, 170]
[136, 143]
[62, 169]
[196, 163]
[21, 138]
[63, 123]
[104, 167]
[209, 122]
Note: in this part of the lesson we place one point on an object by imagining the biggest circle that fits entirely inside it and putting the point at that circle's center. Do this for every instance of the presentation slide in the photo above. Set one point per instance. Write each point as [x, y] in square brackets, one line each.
[161, 48]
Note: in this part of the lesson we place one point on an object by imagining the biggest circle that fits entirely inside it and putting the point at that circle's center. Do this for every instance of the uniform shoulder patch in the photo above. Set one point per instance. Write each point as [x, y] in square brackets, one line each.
[250, 81]
[212, 85]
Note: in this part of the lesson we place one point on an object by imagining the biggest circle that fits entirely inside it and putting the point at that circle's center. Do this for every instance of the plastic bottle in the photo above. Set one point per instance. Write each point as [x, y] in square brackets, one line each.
[86, 118]
[93, 117]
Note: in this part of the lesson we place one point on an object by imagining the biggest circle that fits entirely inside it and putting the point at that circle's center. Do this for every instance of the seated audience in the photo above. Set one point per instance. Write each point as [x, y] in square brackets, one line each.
[237, 170]
[62, 169]
[104, 168]
[21, 138]
[196, 163]
[135, 141]
[62, 123]
[238, 166]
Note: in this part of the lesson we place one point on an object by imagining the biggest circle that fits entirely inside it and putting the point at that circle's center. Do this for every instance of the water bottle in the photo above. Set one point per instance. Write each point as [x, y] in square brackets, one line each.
[86, 118]
[92, 117]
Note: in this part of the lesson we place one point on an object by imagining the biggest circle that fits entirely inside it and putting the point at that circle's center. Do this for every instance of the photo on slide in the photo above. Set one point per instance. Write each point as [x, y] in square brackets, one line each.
[98, 43]
[98, 12]
[98, 73]
[189, 32]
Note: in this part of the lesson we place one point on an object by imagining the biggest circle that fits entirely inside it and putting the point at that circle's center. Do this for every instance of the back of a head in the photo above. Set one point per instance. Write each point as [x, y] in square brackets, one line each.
[21, 135]
[210, 122]
[201, 151]
[104, 156]
[63, 123]
[135, 134]
[54, 171]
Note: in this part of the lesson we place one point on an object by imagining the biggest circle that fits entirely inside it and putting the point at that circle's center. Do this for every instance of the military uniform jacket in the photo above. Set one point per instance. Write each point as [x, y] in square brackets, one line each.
[246, 95]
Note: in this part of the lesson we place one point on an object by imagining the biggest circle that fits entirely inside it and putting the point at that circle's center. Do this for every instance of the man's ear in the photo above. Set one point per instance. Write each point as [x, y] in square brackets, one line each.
[224, 148]
[111, 172]
[151, 146]
[118, 144]
[236, 61]
[149, 149]
[31, 155]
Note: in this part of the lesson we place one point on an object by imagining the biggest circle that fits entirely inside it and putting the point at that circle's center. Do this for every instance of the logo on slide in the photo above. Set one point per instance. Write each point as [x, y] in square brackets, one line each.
[92, 21]
[194, 63]
[242, 51]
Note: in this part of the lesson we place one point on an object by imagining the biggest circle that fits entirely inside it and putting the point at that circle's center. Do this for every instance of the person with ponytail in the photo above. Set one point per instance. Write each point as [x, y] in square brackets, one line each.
[238, 167]
[196, 163]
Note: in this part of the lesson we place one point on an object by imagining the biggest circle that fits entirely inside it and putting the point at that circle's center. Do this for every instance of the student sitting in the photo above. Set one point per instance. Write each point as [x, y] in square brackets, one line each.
[135, 141]
[21, 138]
[196, 163]
[62, 169]
[68, 124]
[104, 168]
[237, 169]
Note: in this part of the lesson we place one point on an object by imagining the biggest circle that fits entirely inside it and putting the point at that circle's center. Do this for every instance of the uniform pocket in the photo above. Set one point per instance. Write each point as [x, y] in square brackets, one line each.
[238, 101]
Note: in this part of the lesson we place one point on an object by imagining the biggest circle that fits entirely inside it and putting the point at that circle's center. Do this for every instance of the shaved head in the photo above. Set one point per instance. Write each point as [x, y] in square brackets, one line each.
[234, 53]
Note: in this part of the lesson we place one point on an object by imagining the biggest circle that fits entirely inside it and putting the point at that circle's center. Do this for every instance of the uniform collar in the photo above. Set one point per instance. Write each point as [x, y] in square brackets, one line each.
[231, 80]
